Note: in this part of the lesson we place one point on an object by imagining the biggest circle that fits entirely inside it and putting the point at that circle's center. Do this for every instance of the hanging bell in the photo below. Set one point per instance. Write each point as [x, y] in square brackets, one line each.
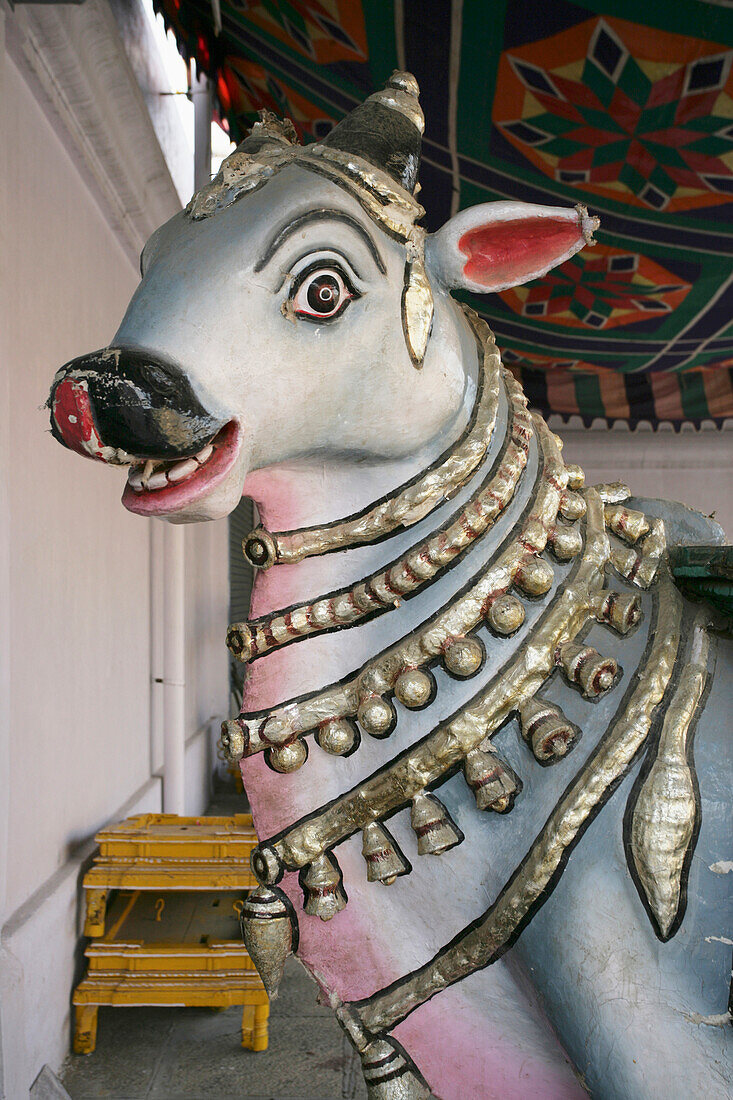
[267, 931]
[576, 476]
[324, 895]
[642, 569]
[625, 562]
[433, 827]
[585, 667]
[626, 523]
[388, 1074]
[383, 859]
[492, 781]
[621, 610]
[546, 730]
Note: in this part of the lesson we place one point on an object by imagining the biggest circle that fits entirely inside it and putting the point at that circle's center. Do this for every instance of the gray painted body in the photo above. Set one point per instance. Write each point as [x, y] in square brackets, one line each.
[330, 418]
[641, 1019]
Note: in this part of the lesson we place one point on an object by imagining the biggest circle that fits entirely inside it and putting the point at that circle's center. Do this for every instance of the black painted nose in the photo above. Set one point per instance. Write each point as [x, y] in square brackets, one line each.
[133, 401]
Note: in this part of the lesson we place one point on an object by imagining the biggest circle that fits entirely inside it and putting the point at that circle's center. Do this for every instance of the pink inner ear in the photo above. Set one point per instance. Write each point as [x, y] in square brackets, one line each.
[511, 252]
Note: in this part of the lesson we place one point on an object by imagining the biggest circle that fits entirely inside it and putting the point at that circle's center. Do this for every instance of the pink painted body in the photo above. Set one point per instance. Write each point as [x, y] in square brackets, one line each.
[496, 1059]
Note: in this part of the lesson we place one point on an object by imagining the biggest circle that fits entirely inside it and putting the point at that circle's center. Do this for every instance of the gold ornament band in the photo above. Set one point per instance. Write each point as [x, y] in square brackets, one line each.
[384, 590]
[247, 169]
[427, 762]
[479, 945]
[519, 564]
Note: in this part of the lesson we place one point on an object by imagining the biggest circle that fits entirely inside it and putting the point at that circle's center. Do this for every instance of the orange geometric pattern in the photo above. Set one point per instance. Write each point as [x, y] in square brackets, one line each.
[600, 288]
[609, 108]
[325, 31]
[250, 87]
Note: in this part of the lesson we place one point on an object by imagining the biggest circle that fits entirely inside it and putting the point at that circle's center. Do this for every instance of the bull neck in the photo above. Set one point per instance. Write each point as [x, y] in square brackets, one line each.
[313, 661]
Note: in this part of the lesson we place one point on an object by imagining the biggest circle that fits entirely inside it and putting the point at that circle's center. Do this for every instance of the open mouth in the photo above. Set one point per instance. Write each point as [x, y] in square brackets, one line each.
[156, 488]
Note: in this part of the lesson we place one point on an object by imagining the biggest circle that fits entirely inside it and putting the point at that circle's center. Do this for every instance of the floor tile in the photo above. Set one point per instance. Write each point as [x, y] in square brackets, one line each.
[306, 1060]
[130, 1042]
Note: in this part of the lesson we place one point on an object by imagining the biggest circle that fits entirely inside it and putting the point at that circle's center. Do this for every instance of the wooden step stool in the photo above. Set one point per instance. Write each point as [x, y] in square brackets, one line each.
[172, 930]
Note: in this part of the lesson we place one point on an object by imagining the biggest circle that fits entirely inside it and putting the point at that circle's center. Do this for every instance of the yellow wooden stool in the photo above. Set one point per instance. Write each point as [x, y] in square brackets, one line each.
[172, 930]
[166, 852]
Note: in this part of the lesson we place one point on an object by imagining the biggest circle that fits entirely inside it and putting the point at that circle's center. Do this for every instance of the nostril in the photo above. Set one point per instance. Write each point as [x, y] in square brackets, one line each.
[157, 380]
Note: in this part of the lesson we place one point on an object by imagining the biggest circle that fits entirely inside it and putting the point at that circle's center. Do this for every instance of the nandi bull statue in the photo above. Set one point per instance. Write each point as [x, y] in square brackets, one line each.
[441, 606]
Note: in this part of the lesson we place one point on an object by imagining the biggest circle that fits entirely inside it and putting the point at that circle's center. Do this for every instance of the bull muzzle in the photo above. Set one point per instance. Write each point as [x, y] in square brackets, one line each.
[122, 404]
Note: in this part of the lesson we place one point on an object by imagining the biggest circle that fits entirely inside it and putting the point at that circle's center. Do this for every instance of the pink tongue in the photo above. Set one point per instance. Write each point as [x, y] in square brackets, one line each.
[73, 415]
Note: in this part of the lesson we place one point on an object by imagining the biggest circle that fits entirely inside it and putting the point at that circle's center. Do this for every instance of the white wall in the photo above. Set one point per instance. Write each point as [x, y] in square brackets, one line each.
[80, 741]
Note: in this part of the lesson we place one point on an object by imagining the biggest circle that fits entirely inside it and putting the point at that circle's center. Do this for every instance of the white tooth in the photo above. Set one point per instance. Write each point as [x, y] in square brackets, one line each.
[147, 471]
[135, 479]
[157, 481]
[182, 469]
[204, 455]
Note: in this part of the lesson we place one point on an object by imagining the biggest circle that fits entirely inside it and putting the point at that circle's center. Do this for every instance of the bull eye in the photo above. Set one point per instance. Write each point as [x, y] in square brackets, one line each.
[322, 294]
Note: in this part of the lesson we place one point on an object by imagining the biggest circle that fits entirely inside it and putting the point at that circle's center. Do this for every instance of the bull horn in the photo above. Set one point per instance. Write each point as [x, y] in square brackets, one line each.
[386, 130]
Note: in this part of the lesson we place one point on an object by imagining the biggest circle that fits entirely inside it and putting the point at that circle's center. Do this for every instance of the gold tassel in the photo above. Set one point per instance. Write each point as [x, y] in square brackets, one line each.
[417, 300]
[267, 931]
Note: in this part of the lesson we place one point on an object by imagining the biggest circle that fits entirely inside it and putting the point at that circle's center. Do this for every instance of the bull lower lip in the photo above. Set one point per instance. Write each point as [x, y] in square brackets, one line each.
[173, 495]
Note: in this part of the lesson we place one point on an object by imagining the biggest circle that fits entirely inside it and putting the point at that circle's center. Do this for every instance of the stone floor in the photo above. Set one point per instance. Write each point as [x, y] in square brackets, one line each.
[195, 1054]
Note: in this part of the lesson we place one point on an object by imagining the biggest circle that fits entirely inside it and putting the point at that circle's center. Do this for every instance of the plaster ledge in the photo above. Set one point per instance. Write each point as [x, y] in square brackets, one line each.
[74, 61]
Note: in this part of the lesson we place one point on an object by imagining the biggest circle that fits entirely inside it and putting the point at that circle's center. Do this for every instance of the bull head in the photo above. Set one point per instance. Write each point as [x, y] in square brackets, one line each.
[282, 314]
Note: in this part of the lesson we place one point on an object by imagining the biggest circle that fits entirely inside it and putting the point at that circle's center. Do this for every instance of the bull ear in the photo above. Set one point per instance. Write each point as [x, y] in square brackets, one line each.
[501, 244]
